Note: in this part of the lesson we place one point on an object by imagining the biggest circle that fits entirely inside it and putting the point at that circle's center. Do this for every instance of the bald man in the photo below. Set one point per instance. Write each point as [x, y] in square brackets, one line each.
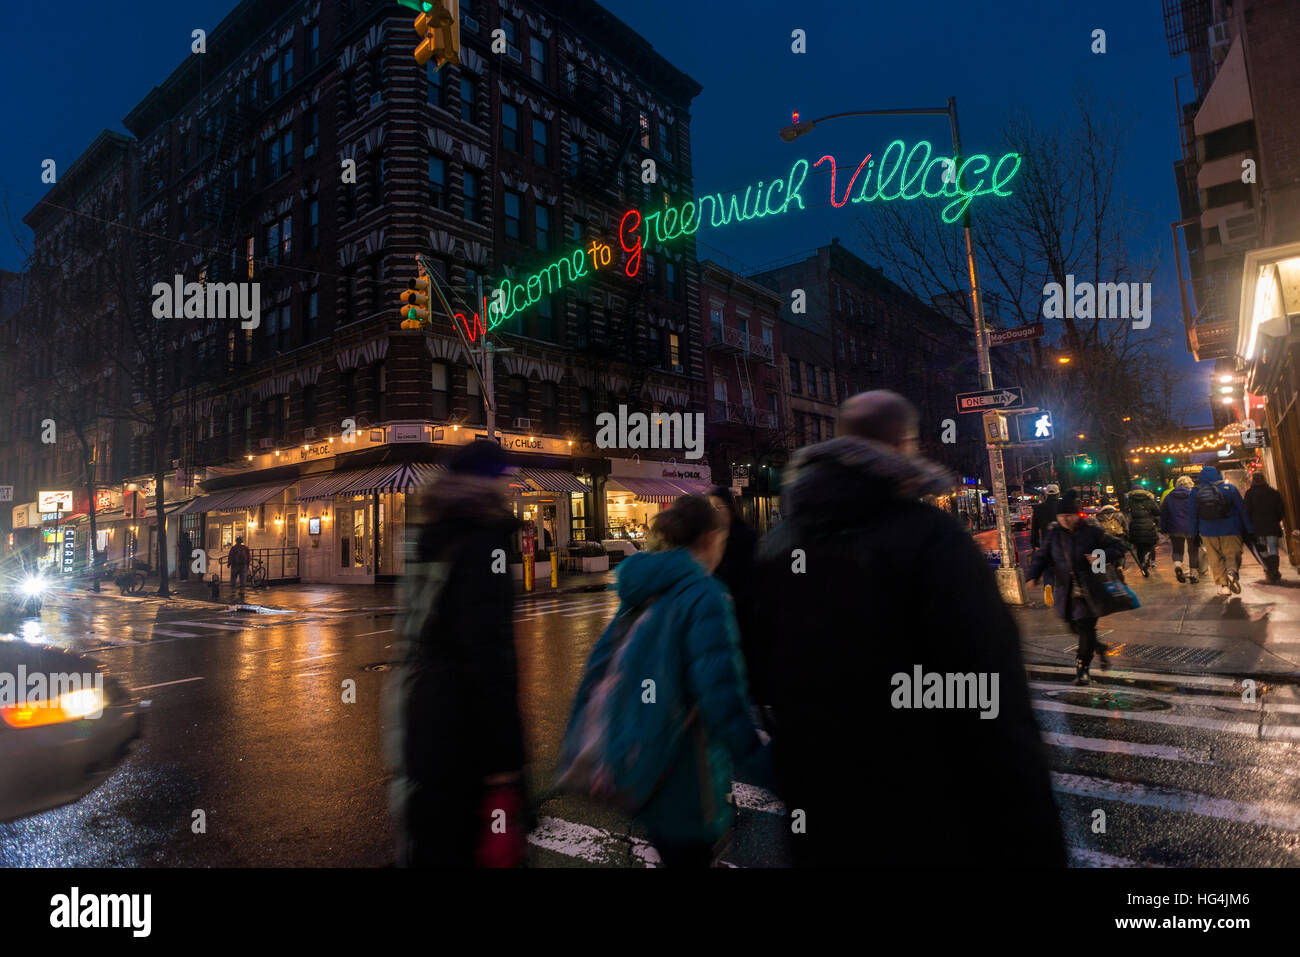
[866, 591]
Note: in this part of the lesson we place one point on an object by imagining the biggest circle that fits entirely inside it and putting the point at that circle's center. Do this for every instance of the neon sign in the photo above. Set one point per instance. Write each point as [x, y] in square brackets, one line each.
[896, 176]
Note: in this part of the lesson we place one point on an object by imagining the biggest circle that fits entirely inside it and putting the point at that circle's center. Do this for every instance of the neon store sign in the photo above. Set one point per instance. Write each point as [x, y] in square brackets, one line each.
[899, 174]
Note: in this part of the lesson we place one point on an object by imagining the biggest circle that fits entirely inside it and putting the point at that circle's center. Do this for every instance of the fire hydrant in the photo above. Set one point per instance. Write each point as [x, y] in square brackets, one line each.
[214, 586]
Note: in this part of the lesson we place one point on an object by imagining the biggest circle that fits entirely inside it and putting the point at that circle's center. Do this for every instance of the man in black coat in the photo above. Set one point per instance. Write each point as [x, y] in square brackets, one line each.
[1044, 515]
[877, 609]
[736, 571]
[454, 737]
[1266, 512]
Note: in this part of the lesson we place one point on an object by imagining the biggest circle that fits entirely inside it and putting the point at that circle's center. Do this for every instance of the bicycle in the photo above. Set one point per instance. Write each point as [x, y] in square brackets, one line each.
[257, 573]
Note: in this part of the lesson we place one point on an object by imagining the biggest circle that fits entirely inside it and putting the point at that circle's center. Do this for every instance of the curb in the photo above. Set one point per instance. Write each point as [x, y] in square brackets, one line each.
[527, 597]
[1100, 677]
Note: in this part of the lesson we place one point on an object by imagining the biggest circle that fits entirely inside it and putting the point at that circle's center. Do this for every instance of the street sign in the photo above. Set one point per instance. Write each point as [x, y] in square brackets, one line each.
[1007, 398]
[69, 549]
[1036, 426]
[6, 493]
[1000, 337]
[1254, 438]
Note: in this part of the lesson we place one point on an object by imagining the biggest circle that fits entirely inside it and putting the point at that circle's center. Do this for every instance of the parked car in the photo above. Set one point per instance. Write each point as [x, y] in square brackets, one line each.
[61, 747]
[620, 548]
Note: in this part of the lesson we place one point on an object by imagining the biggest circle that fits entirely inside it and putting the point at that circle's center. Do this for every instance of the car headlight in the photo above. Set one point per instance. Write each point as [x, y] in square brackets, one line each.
[71, 706]
[33, 586]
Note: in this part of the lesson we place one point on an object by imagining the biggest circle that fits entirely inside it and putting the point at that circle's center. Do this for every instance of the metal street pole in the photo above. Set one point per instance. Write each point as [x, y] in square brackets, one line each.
[488, 377]
[1010, 582]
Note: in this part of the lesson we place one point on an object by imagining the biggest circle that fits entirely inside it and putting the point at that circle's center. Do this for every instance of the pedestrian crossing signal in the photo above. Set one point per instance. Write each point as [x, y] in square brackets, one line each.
[1036, 426]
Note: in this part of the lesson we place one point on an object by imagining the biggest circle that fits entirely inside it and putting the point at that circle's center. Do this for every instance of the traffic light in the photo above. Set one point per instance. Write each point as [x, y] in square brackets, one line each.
[415, 303]
[1168, 460]
[438, 26]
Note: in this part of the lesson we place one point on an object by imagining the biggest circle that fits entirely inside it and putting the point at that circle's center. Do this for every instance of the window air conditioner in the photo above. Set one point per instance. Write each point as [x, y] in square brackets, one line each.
[309, 432]
[514, 54]
[265, 444]
[525, 424]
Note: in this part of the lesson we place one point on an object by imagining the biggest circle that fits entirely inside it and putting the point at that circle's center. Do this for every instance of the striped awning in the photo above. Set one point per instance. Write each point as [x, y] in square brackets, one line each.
[552, 480]
[313, 488]
[406, 477]
[652, 490]
[249, 497]
[691, 486]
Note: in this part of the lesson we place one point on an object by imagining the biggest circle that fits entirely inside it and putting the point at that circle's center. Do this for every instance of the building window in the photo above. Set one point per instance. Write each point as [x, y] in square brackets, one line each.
[542, 224]
[313, 45]
[773, 405]
[436, 88]
[379, 378]
[643, 122]
[518, 393]
[670, 278]
[665, 141]
[279, 154]
[439, 411]
[674, 349]
[838, 305]
[312, 134]
[509, 127]
[471, 284]
[311, 321]
[541, 143]
[377, 177]
[511, 30]
[795, 383]
[586, 412]
[537, 56]
[349, 393]
[616, 108]
[438, 182]
[470, 190]
[550, 408]
[720, 390]
[826, 384]
[468, 100]
[544, 325]
[279, 73]
[513, 203]
[475, 414]
[308, 406]
[313, 224]
[574, 163]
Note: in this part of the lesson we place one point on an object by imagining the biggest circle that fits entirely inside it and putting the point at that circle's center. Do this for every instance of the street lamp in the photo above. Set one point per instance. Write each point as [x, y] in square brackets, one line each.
[1009, 572]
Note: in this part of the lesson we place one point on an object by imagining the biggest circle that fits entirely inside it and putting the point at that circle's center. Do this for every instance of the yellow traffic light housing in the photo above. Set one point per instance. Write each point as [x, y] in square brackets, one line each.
[439, 30]
[415, 303]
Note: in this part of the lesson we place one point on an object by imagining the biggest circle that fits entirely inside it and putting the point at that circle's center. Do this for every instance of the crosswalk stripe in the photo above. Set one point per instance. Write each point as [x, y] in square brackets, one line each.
[1273, 815]
[592, 844]
[174, 634]
[1190, 681]
[1216, 701]
[1133, 748]
[1085, 857]
[1250, 729]
[164, 684]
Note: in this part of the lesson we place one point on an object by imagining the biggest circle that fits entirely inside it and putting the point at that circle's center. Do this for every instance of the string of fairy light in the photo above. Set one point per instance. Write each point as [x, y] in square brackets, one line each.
[1189, 446]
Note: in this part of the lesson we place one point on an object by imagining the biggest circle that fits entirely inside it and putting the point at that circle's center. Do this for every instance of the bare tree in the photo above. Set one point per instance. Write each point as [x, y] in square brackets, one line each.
[1066, 217]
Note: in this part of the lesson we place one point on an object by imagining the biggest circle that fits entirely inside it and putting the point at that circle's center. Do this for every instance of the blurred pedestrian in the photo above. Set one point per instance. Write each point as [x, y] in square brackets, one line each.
[862, 586]
[454, 740]
[1143, 526]
[1220, 519]
[662, 709]
[1044, 515]
[1080, 591]
[239, 558]
[1176, 520]
[736, 571]
[1265, 512]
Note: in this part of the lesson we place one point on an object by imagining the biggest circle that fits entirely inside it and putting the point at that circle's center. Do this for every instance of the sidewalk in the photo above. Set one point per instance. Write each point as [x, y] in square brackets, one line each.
[329, 596]
[1185, 629]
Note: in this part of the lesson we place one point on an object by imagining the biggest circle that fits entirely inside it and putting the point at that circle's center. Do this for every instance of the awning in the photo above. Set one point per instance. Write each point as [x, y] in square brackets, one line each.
[249, 497]
[317, 487]
[654, 491]
[406, 477]
[692, 486]
[552, 480]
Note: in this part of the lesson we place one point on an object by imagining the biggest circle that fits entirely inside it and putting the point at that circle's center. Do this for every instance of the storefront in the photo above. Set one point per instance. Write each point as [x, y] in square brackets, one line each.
[637, 491]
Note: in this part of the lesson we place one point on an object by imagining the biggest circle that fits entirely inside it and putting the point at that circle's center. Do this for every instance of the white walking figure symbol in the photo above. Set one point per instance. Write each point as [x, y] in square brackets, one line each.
[1043, 427]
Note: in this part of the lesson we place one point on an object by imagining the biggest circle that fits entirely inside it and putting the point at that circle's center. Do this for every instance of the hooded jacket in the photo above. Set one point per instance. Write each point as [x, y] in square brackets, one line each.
[1176, 510]
[695, 661]
[451, 705]
[1264, 509]
[1237, 522]
[861, 585]
[1143, 516]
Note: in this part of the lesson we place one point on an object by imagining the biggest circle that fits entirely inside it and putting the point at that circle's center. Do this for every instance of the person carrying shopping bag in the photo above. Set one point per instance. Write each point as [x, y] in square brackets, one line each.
[1083, 560]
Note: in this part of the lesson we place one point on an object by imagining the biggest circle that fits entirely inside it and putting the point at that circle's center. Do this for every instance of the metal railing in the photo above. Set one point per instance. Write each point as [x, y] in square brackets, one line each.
[729, 413]
[280, 564]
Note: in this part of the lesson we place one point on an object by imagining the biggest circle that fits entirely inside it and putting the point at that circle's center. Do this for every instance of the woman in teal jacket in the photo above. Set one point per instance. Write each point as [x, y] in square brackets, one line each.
[688, 642]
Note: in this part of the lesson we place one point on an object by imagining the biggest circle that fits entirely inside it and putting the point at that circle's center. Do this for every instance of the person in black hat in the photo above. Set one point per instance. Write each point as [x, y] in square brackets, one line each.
[454, 740]
[1067, 553]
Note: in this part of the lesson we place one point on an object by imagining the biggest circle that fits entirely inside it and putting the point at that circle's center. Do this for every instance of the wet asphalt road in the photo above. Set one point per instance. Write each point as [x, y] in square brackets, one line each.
[247, 724]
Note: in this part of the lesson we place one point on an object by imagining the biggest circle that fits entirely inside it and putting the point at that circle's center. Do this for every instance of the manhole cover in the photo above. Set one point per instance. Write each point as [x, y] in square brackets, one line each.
[379, 666]
[1111, 700]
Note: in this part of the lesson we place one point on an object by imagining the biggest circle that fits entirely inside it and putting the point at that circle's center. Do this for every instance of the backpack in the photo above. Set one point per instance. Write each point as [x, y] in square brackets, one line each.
[1211, 503]
[617, 750]
[1113, 524]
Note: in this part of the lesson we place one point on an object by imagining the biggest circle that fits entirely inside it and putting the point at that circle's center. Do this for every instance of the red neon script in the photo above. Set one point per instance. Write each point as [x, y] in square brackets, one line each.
[473, 332]
[848, 189]
[634, 259]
